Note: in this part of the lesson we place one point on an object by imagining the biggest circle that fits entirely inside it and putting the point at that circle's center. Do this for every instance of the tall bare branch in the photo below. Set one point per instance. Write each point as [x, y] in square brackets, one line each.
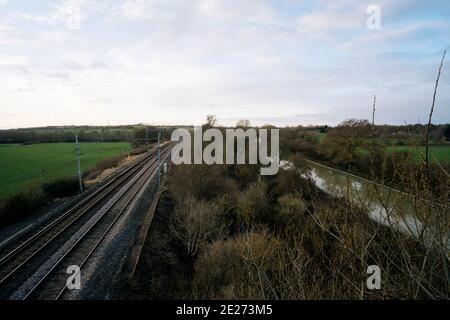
[431, 115]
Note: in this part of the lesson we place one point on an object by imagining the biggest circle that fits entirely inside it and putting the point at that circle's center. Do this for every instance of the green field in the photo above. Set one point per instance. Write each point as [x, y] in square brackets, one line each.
[440, 153]
[322, 136]
[22, 165]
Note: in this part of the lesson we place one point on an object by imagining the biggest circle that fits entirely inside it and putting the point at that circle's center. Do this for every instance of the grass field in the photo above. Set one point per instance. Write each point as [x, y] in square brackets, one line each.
[440, 153]
[322, 136]
[22, 165]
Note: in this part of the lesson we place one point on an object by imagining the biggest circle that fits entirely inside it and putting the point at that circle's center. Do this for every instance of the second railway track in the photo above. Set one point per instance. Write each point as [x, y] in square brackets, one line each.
[35, 268]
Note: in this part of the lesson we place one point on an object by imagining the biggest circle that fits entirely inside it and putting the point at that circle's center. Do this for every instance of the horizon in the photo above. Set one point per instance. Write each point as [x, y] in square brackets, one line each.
[219, 125]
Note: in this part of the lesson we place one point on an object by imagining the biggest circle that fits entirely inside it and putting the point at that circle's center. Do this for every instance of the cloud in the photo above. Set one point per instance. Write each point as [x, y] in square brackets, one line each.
[139, 9]
[174, 62]
[60, 75]
[332, 21]
[9, 36]
[13, 61]
[67, 13]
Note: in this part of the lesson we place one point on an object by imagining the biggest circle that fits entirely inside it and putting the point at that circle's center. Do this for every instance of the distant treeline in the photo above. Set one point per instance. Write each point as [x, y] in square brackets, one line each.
[130, 133]
[438, 132]
[143, 133]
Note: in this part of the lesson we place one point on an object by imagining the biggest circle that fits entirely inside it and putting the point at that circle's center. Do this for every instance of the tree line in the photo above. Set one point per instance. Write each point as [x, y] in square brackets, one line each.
[85, 133]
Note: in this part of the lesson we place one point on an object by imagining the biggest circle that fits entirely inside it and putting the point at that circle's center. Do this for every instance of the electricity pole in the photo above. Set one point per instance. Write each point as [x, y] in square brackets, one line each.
[159, 159]
[147, 142]
[78, 162]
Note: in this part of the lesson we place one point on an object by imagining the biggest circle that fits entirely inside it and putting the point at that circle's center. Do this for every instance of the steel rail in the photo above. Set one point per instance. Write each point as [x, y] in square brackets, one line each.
[115, 180]
[151, 171]
[129, 172]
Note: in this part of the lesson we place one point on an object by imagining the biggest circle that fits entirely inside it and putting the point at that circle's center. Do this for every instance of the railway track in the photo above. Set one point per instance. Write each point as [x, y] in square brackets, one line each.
[35, 267]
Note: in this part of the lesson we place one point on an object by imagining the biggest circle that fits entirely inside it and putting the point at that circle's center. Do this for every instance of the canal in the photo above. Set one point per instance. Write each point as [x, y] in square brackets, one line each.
[390, 207]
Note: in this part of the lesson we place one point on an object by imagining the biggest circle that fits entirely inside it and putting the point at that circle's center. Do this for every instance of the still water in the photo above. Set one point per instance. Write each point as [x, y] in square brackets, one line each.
[384, 205]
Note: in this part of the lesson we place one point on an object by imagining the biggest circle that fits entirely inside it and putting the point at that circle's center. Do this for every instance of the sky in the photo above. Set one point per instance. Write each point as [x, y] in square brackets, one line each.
[283, 62]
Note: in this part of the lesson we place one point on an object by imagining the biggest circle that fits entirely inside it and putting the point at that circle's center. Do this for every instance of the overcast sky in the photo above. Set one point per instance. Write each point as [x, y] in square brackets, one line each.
[283, 62]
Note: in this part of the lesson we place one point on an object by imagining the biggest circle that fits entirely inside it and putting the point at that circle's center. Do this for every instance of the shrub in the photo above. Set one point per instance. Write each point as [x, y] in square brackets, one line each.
[200, 181]
[61, 187]
[339, 241]
[137, 151]
[253, 206]
[197, 223]
[91, 174]
[287, 181]
[246, 174]
[109, 162]
[238, 268]
[290, 212]
[22, 204]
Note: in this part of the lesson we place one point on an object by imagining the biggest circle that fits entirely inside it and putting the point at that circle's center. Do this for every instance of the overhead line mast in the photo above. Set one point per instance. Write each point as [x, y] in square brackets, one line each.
[77, 149]
[159, 158]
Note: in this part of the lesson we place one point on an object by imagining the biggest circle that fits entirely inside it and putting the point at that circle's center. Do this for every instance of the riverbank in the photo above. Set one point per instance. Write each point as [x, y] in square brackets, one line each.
[385, 205]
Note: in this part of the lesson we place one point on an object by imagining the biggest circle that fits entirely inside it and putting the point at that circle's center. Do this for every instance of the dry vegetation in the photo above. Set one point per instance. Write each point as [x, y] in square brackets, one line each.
[232, 234]
[279, 238]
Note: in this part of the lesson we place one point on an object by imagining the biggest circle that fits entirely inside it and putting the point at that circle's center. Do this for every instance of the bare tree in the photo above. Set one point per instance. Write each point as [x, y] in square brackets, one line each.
[211, 120]
[342, 143]
[431, 115]
[244, 123]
